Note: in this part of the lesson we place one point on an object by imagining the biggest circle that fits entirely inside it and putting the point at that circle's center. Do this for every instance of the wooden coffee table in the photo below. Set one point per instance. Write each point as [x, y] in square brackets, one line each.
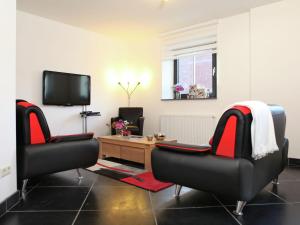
[132, 149]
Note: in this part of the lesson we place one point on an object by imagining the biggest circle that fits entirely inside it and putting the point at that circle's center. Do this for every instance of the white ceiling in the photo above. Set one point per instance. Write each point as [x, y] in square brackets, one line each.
[119, 16]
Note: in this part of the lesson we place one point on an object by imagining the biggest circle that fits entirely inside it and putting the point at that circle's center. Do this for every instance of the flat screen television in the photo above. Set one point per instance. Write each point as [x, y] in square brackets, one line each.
[66, 89]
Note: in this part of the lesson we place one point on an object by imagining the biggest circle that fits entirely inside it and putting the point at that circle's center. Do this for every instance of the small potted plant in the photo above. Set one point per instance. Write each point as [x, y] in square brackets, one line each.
[178, 88]
[121, 127]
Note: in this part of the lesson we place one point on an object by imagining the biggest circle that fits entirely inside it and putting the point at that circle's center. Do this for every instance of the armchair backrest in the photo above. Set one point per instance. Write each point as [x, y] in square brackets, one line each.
[32, 127]
[131, 114]
[232, 137]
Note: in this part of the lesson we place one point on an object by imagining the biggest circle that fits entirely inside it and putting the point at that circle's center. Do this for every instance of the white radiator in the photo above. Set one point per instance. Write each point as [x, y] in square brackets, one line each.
[188, 129]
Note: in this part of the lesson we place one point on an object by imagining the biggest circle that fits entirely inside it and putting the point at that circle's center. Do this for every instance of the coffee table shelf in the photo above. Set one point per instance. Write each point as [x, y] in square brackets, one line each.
[132, 149]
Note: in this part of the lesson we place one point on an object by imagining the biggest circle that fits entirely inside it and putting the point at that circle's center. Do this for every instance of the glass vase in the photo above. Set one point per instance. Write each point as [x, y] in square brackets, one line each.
[119, 132]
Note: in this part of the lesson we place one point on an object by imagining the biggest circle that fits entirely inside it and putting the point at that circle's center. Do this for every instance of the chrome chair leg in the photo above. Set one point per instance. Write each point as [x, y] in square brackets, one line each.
[80, 177]
[23, 191]
[239, 208]
[275, 181]
[177, 190]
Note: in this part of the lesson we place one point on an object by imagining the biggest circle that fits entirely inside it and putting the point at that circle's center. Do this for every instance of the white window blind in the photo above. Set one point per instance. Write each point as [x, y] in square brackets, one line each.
[189, 40]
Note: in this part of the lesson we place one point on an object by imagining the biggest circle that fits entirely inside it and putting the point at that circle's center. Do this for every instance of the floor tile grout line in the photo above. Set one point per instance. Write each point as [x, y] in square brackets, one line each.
[178, 208]
[262, 204]
[8, 210]
[290, 180]
[42, 211]
[5, 209]
[20, 199]
[277, 196]
[3, 214]
[63, 186]
[227, 210]
[293, 203]
[152, 209]
[32, 188]
[192, 207]
[82, 204]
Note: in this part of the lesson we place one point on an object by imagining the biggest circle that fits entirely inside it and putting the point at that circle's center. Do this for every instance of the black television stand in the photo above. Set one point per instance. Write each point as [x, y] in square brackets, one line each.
[84, 115]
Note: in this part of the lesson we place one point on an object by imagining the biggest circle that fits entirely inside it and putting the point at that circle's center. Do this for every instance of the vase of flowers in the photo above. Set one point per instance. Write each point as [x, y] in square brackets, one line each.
[178, 88]
[119, 132]
[121, 127]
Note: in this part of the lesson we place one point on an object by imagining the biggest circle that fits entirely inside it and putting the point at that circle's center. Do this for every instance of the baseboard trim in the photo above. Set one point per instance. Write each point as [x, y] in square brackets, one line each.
[9, 202]
[294, 162]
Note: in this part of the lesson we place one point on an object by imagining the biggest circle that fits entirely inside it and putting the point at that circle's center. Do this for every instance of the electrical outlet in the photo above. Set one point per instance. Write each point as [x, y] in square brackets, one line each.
[5, 171]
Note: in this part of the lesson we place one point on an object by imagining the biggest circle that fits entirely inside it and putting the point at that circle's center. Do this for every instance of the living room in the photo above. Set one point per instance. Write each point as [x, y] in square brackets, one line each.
[134, 43]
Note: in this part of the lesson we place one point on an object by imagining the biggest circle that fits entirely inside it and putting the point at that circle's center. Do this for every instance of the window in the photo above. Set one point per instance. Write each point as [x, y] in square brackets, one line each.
[196, 72]
[189, 62]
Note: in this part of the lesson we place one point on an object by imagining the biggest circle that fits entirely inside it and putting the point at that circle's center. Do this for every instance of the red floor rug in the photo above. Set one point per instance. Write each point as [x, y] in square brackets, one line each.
[130, 175]
[146, 181]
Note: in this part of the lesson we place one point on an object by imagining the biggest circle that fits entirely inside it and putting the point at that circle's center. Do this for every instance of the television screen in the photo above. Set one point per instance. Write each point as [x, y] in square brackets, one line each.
[66, 89]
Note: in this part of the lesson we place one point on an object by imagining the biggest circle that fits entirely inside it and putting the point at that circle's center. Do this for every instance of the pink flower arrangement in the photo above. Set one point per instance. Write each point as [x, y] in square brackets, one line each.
[119, 125]
[179, 88]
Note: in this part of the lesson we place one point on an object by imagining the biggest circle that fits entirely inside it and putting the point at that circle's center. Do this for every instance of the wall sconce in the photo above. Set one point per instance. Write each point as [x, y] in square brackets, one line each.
[128, 91]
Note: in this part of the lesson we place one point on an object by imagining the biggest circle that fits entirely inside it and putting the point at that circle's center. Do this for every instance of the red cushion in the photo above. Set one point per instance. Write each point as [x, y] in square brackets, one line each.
[226, 145]
[25, 104]
[36, 133]
[245, 110]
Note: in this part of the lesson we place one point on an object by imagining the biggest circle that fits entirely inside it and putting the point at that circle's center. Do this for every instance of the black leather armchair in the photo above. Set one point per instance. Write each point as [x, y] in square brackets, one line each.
[38, 153]
[134, 115]
[225, 168]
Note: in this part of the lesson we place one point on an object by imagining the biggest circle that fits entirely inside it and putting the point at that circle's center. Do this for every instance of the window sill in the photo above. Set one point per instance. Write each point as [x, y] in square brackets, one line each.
[185, 99]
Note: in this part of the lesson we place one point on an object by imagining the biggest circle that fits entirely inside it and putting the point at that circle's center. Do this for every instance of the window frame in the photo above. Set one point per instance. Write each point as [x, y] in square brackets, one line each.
[213, 94]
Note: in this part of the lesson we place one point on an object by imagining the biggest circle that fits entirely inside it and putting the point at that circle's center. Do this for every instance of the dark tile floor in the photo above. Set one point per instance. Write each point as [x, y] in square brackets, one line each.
[59, 199]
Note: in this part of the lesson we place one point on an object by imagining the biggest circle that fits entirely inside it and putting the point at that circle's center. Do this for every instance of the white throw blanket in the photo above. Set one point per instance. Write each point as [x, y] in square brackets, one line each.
[262, 129]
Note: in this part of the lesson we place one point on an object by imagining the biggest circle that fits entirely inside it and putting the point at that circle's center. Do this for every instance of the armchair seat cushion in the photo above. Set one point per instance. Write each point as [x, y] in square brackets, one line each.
[49, 158]
[236, 178]
[206, 172]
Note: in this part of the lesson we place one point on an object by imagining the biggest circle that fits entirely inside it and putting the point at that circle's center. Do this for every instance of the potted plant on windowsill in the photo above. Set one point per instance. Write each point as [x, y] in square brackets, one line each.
[178, 89]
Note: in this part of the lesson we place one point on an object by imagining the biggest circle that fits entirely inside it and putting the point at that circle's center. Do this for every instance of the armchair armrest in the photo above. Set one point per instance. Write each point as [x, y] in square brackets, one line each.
[178, 147]
[73, 137]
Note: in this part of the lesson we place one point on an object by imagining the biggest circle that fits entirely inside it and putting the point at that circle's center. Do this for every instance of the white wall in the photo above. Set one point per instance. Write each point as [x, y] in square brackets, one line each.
[7, 96]
[275, 47]
[43, 44]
